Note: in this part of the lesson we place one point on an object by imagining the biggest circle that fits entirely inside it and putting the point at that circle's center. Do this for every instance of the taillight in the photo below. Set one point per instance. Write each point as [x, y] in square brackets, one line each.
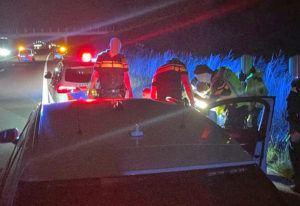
[86, 57]
[66, 89]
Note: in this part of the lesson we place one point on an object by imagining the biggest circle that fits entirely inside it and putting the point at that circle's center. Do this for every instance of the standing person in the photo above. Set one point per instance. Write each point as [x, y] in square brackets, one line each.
[293, 109]
[171, 80]
[110, 77]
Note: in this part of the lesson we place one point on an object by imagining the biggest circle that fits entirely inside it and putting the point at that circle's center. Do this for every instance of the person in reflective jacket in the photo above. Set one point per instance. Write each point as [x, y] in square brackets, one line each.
[171, 80]
[110, 77]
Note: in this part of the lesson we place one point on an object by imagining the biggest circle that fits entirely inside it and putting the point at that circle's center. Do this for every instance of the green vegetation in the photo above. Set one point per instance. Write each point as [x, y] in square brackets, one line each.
[279, 161]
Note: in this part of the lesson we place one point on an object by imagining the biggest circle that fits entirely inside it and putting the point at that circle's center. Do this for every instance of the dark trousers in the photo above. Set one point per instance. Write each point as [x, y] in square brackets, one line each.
[295, 159]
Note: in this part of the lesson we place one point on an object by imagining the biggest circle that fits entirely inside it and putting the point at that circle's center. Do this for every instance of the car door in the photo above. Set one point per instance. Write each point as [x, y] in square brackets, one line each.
[10, 175]
[248, 120]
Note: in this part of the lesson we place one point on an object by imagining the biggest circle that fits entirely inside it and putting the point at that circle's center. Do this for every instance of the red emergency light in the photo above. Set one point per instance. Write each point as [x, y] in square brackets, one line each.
[86, 57]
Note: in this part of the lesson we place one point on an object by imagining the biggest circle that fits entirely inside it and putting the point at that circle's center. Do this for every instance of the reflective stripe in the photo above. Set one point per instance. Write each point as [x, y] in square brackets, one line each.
[111, 64]
[177, 68]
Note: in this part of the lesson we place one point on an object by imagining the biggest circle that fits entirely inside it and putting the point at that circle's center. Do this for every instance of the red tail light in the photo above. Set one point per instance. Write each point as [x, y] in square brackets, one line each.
[66, 89]
[86, 57]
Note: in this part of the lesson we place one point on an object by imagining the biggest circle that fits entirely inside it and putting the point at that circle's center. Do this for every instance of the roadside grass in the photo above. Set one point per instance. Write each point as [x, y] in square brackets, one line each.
[144, 62]
[279, 161]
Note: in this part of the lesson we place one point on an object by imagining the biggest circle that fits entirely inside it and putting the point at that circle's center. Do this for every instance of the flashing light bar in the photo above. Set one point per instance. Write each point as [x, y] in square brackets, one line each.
[21, 48]
[62, 49]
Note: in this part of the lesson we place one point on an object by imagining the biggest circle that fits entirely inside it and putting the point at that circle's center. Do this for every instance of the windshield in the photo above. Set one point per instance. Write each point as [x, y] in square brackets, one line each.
[78, 75]
[25, 52]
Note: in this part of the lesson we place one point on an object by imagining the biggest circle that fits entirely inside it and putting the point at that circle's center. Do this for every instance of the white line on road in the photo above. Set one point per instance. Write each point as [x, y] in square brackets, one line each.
[2, 70]
[45, 99]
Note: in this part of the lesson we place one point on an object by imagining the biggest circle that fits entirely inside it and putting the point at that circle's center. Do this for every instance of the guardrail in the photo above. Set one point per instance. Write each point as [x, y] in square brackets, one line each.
[65, 31]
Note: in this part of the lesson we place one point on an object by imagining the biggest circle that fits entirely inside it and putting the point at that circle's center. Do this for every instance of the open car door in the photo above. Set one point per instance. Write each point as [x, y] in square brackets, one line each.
[248, 120]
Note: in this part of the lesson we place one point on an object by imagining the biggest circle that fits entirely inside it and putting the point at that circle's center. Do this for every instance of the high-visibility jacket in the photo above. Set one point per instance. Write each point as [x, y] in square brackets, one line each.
[255, 84]
[112, 75]
[225, 84]
[171, 80]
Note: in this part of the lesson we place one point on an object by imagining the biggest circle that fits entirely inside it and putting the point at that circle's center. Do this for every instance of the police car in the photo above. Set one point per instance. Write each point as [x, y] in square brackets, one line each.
[26, 55]
[59, 52]
[134, 152]
[69, 76]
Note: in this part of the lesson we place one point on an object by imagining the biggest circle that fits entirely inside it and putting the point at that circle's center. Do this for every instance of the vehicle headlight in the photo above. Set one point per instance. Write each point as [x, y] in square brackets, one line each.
[200, 104]
[4, 52]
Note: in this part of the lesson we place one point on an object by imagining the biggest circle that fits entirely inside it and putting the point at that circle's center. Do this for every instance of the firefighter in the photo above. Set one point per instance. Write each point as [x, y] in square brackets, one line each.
[110, 77]
[293, 109]
[255, 84]
[201, 81]
[171, 80]
[225, 84]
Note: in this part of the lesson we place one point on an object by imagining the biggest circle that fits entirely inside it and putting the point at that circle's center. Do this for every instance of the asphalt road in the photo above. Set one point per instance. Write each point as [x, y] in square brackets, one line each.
[21, 87]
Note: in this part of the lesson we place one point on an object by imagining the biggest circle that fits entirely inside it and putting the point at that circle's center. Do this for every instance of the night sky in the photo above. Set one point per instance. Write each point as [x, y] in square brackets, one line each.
[255, 27]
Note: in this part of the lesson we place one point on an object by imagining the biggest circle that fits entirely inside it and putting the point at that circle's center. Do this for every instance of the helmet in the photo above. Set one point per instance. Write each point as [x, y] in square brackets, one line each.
[203, 68]
[175, 61]
[115, 46]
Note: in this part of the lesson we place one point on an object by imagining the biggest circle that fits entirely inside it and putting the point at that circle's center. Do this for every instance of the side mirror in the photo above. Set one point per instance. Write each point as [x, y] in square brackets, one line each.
[48, 75]
[9, 136]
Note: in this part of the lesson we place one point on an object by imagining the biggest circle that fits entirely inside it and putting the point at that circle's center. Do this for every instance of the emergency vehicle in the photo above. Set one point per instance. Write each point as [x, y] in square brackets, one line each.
[26, 55]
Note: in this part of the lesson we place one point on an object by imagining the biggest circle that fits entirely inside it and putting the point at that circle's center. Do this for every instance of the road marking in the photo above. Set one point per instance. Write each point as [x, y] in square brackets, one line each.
[2, 70]
[45, 95]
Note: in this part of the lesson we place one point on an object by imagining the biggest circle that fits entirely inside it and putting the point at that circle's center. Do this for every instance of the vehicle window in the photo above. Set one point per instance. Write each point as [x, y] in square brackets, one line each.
[78, 75]
[25, 52]
[241, 120]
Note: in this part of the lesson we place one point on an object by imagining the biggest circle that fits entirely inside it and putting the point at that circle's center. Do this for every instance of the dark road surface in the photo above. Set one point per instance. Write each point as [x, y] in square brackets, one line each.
[21, 86]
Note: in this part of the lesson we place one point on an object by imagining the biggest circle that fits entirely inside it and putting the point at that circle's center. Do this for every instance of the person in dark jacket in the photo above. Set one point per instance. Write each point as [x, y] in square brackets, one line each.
[110, 77]
[293, 109]
[201, 81]
[171, 80]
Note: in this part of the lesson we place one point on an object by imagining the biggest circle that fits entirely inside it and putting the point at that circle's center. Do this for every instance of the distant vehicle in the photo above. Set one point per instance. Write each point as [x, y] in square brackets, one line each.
[5, 50]
[37, 45]
[133, 152]
[86, 53]
[69, 76]
[59, 52]
[26, 55]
